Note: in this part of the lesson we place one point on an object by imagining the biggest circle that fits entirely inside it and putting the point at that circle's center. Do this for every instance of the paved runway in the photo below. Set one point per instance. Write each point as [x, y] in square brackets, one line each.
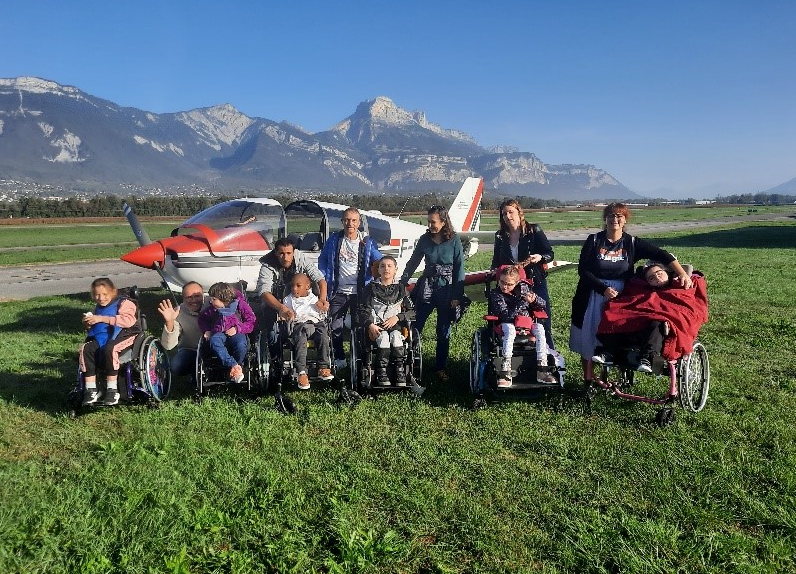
[22, 283]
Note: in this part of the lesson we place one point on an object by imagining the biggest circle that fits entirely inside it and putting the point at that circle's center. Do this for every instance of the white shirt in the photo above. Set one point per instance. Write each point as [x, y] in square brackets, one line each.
[348, 263]
[304, 308]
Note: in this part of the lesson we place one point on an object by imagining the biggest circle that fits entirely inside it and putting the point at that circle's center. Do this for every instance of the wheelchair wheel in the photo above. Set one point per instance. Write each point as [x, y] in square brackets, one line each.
[417, 356]
[355, 359]
[263, 357]
[476, 364]
[155, 371]
[694, 375]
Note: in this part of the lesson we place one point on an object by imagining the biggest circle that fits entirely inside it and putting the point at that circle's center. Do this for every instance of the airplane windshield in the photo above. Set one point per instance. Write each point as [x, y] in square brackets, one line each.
[266, 219]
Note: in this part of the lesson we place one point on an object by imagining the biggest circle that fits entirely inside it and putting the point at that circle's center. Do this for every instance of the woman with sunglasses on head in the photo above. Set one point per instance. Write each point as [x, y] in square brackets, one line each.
[441, 286]
[518, 242]
[606, 261]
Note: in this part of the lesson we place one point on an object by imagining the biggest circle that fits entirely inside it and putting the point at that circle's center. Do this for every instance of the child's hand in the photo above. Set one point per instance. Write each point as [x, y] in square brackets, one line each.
[91, 319]
[231, 332]
[206, 335]
[389, 323]
[322, 306]
[530, 297]
[373, 331]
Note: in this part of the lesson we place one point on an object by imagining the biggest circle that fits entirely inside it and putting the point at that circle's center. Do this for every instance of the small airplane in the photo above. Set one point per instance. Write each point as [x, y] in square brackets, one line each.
[226, 241]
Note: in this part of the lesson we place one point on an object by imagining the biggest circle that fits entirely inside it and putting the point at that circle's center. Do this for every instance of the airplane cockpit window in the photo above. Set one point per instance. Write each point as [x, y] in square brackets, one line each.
[379, 230]
[241, 216]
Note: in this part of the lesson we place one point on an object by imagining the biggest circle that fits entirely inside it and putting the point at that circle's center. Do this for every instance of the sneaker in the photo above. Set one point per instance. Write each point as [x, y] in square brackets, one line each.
[111, 398]
[504, 381]
[400, 377]
[546, 378]
[303, 381]
[602, 359]
[236, 374]
[325, 374]
[505, 367]
[339, 363]
[90, 397]
[382, 379]
[644, 366]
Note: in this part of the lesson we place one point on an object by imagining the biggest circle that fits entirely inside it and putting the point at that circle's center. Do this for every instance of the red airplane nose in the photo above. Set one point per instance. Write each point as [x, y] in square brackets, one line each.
[147, 256]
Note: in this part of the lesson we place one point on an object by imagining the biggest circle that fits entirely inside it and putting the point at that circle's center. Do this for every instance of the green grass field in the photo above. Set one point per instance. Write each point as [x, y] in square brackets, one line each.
[401, 484]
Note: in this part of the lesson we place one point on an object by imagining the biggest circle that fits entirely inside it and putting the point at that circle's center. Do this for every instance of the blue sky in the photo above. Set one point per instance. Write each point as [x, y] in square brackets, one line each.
[677, 98]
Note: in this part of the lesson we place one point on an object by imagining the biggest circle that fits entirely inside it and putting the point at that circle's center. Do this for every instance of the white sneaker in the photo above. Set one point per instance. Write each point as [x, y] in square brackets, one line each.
[339, 363]
[506, 366]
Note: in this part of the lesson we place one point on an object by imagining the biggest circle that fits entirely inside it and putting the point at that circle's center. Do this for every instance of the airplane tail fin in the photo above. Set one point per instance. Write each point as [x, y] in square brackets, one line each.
[465, 211]
[138, 229]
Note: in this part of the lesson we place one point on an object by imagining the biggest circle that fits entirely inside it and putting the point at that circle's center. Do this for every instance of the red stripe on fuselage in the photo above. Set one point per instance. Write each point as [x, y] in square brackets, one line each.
[468, 221]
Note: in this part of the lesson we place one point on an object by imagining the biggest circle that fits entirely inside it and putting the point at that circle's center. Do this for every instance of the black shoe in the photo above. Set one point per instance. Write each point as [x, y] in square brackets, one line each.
[400, 377]
[644, 366]
[111, 398]
[602, 359]
[91, 397]
[382, 379]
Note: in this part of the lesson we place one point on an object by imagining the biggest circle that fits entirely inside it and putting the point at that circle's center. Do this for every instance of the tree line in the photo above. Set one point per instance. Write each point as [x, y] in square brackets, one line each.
[186, 206]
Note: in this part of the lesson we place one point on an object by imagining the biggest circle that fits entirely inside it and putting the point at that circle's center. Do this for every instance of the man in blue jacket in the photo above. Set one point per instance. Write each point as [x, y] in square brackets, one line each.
[345, 263]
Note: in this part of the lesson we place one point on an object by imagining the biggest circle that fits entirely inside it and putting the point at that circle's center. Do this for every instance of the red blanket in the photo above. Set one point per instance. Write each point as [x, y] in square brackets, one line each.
[686, 310]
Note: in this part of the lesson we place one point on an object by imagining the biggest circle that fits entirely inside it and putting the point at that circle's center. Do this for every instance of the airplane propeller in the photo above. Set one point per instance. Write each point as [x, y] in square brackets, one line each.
[144, 240]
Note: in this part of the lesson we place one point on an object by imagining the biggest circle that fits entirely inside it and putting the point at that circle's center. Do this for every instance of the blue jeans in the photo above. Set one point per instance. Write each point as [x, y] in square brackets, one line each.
[441, 301]
[230, 351]
[184, 363]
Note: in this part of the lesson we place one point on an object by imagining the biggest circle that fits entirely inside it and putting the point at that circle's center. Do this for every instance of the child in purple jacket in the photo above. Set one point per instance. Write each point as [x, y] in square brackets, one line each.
[225, 324]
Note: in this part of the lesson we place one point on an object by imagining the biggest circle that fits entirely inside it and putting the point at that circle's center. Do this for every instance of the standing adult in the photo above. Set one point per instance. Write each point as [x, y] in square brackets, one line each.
[606, 261]
[181, 329]
[518, 242]
[441, 286]
[277, 269]
[345, 262]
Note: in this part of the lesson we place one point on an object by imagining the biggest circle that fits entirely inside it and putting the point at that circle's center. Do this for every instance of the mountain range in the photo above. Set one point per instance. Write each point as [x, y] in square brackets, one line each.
[59, 135]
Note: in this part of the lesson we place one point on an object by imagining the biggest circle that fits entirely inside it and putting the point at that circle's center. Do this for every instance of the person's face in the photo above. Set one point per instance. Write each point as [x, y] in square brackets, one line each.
[507, 283]
[300, 287]
[614, 221]
[192, 297]
[217, 303]
[511, 216]
[656, 276]
[435, 223]
[285, 255]
[387, 270]
[102, 295]
[350, 223]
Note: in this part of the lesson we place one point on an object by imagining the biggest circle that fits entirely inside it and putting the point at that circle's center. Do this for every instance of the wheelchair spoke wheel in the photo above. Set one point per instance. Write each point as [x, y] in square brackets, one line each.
[354, 359]
[155, 371]
[476, 366]
[694, 373]
[263, 358]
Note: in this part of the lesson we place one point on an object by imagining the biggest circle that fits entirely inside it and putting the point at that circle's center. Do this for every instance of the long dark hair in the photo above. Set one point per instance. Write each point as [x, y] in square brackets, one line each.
[447, 229]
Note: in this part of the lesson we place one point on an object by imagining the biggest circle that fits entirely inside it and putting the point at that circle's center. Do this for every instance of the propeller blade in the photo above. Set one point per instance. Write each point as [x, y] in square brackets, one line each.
[138, 229]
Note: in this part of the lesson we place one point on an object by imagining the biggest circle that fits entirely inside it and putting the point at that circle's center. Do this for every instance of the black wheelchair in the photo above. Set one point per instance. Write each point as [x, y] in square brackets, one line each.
[363, 357]
[210, 372]
[145, 376]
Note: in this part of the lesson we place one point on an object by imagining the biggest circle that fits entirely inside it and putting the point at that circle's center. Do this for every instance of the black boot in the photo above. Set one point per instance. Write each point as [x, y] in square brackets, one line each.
[398, 360]
[382, 362]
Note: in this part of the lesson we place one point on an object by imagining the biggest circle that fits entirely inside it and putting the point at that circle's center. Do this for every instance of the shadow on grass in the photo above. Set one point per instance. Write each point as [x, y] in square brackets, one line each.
[753, 237]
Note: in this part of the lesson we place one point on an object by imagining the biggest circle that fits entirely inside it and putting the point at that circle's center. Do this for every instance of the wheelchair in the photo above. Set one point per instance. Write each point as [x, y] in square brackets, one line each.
[688, 376]
[486, 360]
[144, 376]
[363, 355]
[210, 372]
[276, 363]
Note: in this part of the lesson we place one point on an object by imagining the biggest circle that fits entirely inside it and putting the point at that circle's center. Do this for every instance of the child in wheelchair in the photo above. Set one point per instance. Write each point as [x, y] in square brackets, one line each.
[112, 327]
[225, 324]
[643, 316]
[308, 323]
[513, 302]
[384, 305]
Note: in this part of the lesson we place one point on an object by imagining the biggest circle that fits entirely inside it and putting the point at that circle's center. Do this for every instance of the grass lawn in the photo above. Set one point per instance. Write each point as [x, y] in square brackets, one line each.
[401, 484]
